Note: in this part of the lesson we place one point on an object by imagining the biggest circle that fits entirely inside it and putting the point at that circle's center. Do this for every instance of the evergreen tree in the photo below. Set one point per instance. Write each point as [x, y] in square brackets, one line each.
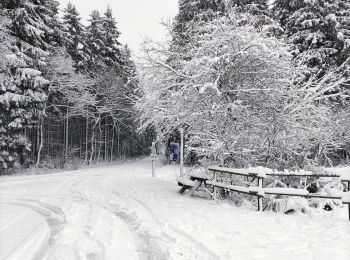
[191, 11]
[76, 45]
[32, 22]
[95, 40]
[254, 7]
[51, 19]
[341, 10]
[312, 26]
[111, 54]
[23, 86]
[11, 4]
[260, 10]
[129, 65]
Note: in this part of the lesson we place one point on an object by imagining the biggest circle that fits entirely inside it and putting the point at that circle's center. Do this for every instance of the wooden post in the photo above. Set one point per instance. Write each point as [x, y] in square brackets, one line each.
[182, 153]
[349, 204]
[260, 206]
[215, 189]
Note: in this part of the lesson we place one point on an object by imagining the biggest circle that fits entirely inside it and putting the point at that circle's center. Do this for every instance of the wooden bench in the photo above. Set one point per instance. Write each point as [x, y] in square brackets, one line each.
[193, 183]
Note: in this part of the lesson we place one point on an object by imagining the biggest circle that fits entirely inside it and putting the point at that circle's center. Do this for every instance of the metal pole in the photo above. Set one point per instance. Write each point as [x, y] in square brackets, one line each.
[153, 170]
[182, 153]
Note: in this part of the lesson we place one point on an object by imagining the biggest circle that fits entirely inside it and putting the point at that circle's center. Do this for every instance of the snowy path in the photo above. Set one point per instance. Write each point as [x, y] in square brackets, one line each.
[120, 212]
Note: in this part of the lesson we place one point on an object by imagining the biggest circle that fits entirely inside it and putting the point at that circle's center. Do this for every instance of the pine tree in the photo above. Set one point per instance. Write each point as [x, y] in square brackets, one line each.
[319, 32]
[341, 11]
[262, 18]
[192, 11]
[76, 45]
[95, 40]
[50, 18]
[11, 4]
[111, 53]
[23, 86]
[29, 23]
[255, 7]
[312, 27]
[129, 68]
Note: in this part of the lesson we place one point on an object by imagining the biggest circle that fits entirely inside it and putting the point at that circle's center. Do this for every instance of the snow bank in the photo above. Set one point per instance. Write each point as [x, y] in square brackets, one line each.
[252, 171]
[200, 175]
[286, 191]
[343, 172]
[262, 172]
[346, 197]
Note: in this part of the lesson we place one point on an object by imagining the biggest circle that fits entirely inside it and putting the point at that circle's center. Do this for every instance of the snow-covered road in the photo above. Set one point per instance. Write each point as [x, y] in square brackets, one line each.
[121, 212]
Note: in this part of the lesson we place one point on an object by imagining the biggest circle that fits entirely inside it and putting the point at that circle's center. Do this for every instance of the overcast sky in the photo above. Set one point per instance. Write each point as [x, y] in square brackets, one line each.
[136, 18]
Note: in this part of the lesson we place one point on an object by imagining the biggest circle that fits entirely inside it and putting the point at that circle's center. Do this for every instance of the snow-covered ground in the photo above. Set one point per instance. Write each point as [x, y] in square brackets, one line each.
[121, 212]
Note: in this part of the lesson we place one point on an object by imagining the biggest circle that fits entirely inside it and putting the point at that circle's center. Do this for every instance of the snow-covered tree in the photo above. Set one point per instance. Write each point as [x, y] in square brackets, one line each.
[111, 53]
[76, 44]
[252, 6]
[95, 39]
[318, 30]
[23, 87]
[234, 97]
[190, 12]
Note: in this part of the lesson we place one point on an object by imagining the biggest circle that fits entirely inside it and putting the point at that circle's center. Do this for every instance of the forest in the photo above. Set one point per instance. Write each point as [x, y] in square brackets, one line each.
[67, 90]
[251, 82]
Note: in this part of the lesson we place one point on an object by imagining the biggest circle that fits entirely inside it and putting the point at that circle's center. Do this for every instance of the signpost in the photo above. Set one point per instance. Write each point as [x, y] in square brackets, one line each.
[153, 156]
[153, 171]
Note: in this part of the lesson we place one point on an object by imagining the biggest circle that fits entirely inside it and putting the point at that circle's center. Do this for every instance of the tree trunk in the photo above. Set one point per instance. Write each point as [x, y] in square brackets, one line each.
[92, 141]
[106, 139]
[41, 143]
[48, 139]
[92, 145]
[118, 146]
[112, 143]
[86, 139]
[99, 142]
[67, 135]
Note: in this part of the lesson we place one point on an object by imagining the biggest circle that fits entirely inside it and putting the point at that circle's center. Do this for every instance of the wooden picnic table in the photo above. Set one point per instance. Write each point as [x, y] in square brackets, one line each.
[193, 184]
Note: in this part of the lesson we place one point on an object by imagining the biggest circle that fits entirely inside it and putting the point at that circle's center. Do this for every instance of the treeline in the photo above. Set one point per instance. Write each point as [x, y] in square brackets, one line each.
[67, 91]
[253, 82]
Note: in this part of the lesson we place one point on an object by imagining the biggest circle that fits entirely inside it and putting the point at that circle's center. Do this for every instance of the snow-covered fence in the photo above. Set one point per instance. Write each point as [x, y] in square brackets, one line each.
[261, 173]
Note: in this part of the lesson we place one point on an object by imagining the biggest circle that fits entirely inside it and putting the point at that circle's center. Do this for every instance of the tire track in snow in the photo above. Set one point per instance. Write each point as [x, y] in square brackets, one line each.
[146, 243]
[186, 240]
[53, 216]
[96, 249]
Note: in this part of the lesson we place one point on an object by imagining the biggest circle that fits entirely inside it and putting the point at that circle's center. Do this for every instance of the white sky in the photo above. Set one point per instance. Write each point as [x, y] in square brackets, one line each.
[135, 18]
